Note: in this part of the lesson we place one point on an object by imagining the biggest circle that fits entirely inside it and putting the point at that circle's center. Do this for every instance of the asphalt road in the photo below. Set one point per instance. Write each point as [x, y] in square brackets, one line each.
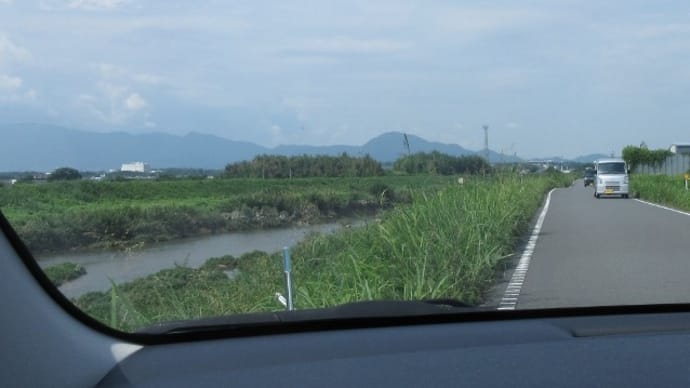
[607, 252]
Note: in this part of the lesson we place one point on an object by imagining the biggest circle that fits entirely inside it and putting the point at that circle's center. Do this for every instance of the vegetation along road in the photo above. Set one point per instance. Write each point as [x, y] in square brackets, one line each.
[445, 243]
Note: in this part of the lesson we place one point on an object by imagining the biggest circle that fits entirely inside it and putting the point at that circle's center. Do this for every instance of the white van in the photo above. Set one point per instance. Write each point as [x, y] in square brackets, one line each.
[611, 177]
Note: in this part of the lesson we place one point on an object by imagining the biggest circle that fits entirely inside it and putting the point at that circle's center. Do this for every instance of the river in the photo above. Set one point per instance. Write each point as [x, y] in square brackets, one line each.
[118, 266]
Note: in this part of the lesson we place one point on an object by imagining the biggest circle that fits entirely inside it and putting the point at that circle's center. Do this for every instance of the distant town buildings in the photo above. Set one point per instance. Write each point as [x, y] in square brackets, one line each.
[135, 167]
[680, 148]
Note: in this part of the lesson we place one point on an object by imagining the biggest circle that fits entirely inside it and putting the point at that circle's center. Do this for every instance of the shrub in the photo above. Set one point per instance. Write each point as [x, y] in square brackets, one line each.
[64, 272]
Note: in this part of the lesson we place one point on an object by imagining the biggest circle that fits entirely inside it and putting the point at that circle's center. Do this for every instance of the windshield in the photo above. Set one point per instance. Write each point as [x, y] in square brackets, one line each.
[611, 168]
[174, 160]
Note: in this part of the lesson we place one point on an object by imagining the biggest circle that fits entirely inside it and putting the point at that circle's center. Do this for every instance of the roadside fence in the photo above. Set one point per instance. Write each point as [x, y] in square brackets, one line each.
[676, 164]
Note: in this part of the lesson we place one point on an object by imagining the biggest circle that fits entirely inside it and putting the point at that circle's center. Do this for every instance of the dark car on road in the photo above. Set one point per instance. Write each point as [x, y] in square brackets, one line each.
[589, 177]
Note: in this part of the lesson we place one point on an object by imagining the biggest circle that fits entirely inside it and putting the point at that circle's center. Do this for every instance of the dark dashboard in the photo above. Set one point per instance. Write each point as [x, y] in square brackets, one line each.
[631, 351]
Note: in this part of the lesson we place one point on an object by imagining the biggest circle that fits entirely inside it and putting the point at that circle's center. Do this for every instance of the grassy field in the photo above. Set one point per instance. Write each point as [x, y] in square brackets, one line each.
[63, 216]
[445, 244]
[64, 272]
[662, 189]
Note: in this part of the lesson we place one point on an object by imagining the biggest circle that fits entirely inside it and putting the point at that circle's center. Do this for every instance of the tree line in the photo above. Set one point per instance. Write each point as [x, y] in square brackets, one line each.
[441, 164]
[278, 166]
[303, 166]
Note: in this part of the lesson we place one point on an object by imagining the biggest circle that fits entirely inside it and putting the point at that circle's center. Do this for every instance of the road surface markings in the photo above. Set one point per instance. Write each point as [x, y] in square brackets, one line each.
[510, 296]
[663, 207]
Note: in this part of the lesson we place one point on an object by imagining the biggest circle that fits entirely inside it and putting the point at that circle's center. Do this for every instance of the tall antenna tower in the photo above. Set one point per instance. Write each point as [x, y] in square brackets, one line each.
[486, 141]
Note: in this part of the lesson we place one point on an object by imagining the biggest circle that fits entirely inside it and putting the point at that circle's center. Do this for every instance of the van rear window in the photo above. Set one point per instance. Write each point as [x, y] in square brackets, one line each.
[611, 168]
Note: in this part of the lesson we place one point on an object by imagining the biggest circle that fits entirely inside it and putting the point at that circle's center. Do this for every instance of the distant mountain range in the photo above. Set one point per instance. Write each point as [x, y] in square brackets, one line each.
[44, 147]
[386, 147]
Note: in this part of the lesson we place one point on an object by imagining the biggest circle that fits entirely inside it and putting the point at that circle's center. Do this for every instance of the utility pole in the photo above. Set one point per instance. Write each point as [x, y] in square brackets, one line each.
[486, 142]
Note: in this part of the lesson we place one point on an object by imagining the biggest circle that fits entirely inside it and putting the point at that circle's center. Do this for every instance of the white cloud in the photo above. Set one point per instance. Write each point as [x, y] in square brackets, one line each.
[512, 125]
[135, 102]
[112, 91]
[11, 52]
[8, 82]
[12, 90]
[478, 20]
[110, 71]
[113, 72]
[150, 79]
[45, 6]
[31, 94]
[346, 45]
[114, 104]
[501, 79]
[96, 4]
[114, 100]
[663, 30]
[90, 103]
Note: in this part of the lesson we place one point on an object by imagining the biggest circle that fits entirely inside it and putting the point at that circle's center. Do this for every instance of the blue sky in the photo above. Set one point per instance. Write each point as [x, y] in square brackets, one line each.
[550, 78]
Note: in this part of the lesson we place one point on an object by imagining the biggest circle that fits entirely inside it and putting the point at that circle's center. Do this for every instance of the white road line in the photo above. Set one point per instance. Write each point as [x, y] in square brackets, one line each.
[510, 297]
[663, 207]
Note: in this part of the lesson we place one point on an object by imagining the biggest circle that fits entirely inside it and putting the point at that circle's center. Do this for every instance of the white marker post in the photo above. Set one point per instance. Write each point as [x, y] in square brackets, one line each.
[687, 176]
[287, 266]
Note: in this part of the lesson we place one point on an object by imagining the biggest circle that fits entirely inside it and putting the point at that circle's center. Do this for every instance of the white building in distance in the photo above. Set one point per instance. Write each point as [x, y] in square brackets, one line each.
[135, 167]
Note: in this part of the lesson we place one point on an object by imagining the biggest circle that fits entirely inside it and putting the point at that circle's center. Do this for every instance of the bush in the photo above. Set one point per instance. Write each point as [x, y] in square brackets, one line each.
[62, 273]
[64, 174]
[635, 156]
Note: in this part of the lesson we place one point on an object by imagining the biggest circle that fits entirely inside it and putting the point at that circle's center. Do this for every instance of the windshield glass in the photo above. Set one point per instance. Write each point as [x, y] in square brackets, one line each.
[176, 160]
[611, 168]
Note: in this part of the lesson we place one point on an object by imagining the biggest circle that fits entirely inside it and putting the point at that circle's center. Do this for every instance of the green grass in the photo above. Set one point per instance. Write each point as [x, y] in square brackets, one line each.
[63, 216]
[662, 189]
[64, 272]
[446, 244]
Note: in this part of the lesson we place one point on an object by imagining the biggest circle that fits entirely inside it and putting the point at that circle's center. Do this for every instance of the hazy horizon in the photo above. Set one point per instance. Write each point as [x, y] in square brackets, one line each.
[182, 135]
[550, 79]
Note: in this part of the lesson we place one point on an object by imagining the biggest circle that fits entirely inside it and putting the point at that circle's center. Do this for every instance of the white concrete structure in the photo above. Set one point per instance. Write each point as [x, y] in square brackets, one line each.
[135, 167]
[680, 148]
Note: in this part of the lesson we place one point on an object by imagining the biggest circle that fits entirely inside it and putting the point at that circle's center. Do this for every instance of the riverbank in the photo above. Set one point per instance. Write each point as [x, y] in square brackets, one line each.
[84, 215]
[125, 266]
[445, 244]
[64, 272]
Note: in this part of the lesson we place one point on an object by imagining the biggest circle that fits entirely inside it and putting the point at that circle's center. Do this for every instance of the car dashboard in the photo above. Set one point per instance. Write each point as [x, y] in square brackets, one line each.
[639, 350]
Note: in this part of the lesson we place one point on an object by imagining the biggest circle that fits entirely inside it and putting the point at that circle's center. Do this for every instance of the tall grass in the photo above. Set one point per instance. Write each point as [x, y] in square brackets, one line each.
[444, 245]
[662, 189]
[64, 272]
